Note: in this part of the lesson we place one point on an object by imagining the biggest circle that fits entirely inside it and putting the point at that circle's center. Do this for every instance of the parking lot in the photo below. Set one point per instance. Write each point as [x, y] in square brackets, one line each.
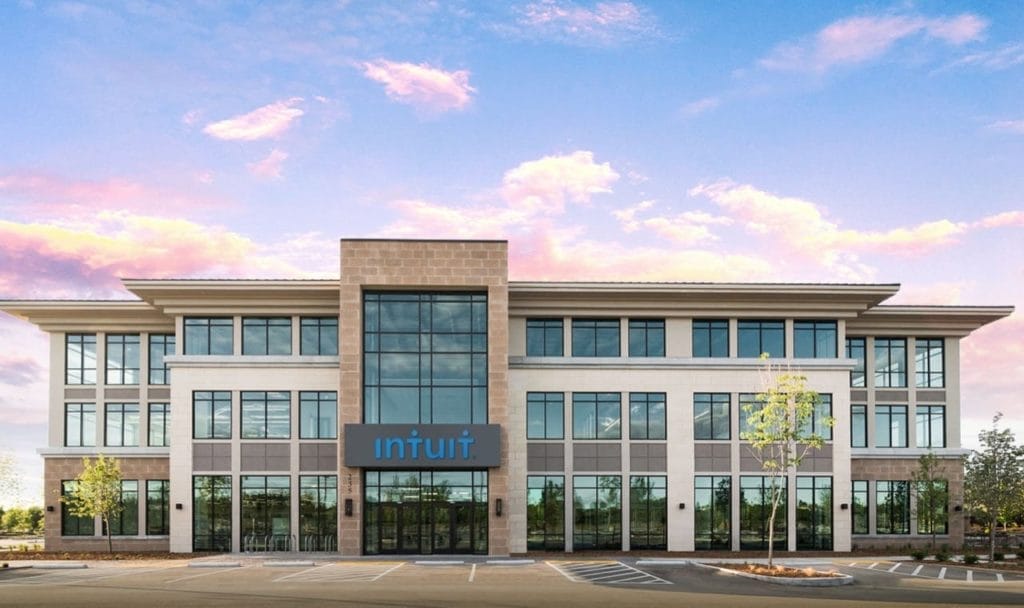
[246, 581]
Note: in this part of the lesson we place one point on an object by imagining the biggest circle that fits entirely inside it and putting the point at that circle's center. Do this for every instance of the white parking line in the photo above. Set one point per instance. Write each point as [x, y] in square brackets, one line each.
[207, 573]
[970, 576]
[942, 573]
[388, 571]
[299, 573]
[999, 577]
[562, 572]
[472, 573]
[646, 574]
[894, 567]
[872, 566]
[916, 570]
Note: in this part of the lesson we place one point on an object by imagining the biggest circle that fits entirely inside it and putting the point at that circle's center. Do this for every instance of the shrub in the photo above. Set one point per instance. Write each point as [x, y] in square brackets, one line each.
[970, 558]
[998, 557]
[917, 554]
[941, 555]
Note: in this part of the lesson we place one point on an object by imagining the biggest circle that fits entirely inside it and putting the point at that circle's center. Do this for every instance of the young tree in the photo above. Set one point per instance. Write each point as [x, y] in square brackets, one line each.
[10, 483]
[994, 479]
[931, 492]
[97, 492]
[783, 426]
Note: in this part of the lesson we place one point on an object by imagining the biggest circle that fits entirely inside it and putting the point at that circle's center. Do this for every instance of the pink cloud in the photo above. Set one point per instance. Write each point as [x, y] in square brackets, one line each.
[421, 85]
[1002, 220]
[606, 23]
[998, 59]
[269, 167]
[268, 121]
[17, 370]
[1008, 126]
[544, 185]
[992, 365]
[700, 106]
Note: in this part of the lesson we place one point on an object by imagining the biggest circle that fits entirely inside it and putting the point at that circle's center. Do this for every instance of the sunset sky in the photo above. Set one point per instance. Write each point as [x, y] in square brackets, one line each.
[671, 141]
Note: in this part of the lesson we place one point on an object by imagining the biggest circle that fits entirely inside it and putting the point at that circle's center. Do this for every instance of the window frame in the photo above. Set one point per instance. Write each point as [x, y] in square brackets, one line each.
[83, 526]
[207, 325]
[643, 329]
[547, 401]
[165, 345]
[924, 366]
[647, 400]
[120, 344]
[551, 512]
[82, 341]
[712, 484]
[761, 326]
[321, 400]
[654, 506]
[552, 333]
[84, 440]
[861, 361]
[889, 411]
[254, 420]
[858, 409]
[264, 328]
[884, 378]
[122, 411]
[710, 327]
[215, 398]
[581, 400]
[163, 506]
[892, 490]
[117, 520]
[863, 509]
[816, 327]
[162, 411]
[710, 400]
[320, 325]
[595, 326]
[929, 411]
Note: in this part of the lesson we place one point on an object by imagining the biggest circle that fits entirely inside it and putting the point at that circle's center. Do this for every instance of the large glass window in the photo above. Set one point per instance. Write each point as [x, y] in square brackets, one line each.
[158, 507]
[266, 415]
[647, 415]
[648, 512]
[892, 507]
[318, 513]
[545, 513]
[597, 512]
[821, 415]
[318, 336]
[126, 521]
[209, 336]
[756, 510]
[425, 358]
[710, 338]
[595, 338]
[860, 507]
[79, 425]
[211, 513]
[122, 428]
[859, 426]
[122, 358]
[711, 416]
[890, 362]
[80, 359]
[266, 336]
[929, 362]
[647, 337]
[73, 525]
[932, 517]
[712, 512]
[814, 513]
[856, 350]
[545, 415]
[211, 415]
[757, 337]
[596, 416]
[815, 339]
[544, 338]
[931, 426]
[159, 424]
[750, 410]
[891, 426]
[266, 513]
[318, 415]
[160, 345]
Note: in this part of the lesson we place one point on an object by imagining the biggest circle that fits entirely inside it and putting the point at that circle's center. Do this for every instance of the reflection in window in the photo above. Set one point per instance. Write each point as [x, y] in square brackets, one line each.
[211, 415]
[595, 338]
[544, 337]
[597, 512]
[158, 507]
[318, 415]
[545, 415]
[80, 359]
[929, 363]
[266, 512]
[892, 506]
[79, 425]
[160, 345]
[891, 426]
[647, 415]
[545, 513]
[318, 512]
[266, 414]
[890, 362]
[820, 422]
[647, 337]
[814, 513]
[750, 411]
[710, 338]
[859, 426]
[211, 513]
[758, 337]
[931, 426]
[126, 521]
[122, 427]
[856, 350]
[712, 512]
[159, 424]
[814, 339]
[73, 525]
[933, 507]
[860, 507]
[266, 336]
[648, 512]
[755, 513]
[596, 416]
[122, 358]
[209, 336]
[318, 336]
[711, 415]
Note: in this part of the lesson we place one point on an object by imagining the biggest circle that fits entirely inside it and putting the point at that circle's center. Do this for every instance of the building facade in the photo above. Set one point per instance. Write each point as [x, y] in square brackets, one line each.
[424, 404]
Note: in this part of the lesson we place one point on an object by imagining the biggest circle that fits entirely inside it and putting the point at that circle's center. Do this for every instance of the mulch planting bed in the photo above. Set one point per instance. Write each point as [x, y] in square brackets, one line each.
[91, 555]
[779, 571]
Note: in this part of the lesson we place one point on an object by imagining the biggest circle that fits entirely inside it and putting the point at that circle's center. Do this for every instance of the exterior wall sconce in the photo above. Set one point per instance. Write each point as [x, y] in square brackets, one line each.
[682, 506]
[349, 507]
[49, 509]
[178, 506]
[498, 506]
[844, 506]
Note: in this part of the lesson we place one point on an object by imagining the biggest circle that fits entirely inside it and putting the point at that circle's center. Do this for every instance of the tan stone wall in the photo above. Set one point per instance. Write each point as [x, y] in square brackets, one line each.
[421, 266]
[56, 470]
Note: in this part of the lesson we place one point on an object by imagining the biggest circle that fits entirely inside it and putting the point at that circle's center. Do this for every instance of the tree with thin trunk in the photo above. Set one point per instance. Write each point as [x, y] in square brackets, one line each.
[931, 495]
[994, 478]
[10, 483]
[783, 427]
[97, 492]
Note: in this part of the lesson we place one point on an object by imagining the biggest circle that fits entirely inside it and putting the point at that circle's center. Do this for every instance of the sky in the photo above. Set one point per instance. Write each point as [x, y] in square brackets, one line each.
[619, 140]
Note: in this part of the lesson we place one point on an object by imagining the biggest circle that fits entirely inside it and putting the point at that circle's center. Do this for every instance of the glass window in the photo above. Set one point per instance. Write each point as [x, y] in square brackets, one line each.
[211, 513]
[80, 359]
[597, 512]
[710, 338]
[160, 345]
[211, 415]
[318, 336]
[815, 339]
[756, 510]
[545, 415]
[648, 512]
[932, 508]
[711, 416]
[712, 512]
[647, 337]
[931, 426]
[821, 416]
[750, 411]
[425, 358]
[126, 521]
[266, 513]
[814, 513]
[266, 336]
[318, 415]
[544, 338]
[122, 428]
[860, 507]
[158, 507]
[647, 415]
[929, 362]
[545, 513]
[266, 415]
[159, 424]
[859, 426]
[596, 416]
[122, 358]
[595, 338]
[890, 362]
[892, 506]
[757, 337]
[79, 425]
[73, 525]
[856, 350]
[318, 513]
[891, 426]
[209, 336]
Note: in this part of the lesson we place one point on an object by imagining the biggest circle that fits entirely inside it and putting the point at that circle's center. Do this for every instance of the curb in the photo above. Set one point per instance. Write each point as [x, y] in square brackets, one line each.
[662, 562]
[288, 564]
[60, 566]
[215, 564]
[509, 562]
[829, 581]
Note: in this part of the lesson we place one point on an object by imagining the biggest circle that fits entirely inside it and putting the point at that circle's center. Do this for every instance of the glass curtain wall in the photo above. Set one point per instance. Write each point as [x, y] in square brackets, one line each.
[318, 513]
[597, 512]
[545, 513]
[755, 513]
[712, 512]
[211, 508]
[266, 513]
[814, 513]
[648, 512]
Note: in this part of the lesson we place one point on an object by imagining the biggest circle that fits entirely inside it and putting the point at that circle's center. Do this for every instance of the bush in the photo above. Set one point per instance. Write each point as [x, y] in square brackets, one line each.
[917, 554]
[942, 555]
[998, 557]
[970, 558]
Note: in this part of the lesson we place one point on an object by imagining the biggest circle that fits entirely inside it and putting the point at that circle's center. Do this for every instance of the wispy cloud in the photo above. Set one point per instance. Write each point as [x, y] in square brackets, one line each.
[997, 59]
[268, 121]
[269, 167]
[547, 183]
[18, 370]
[700, 106]
[598, 24]
[421, 85]
[1008, 126]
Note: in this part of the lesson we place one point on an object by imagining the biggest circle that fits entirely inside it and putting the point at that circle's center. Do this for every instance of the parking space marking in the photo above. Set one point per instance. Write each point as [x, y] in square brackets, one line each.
[606, 573]
[999, 577]
[342, 573]
[970, 576]
[472, 573]
[917, 570]
[562, 572]
[202, 574]
[942, 573]
[894, 567]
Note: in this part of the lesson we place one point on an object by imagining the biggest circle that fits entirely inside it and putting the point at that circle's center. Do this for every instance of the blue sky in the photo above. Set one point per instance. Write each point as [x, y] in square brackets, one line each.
[747, 141]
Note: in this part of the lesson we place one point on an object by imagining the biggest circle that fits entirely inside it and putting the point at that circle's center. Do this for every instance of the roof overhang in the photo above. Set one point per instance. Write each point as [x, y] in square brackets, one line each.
[89, 316]
[925, 320]
[182, 297]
